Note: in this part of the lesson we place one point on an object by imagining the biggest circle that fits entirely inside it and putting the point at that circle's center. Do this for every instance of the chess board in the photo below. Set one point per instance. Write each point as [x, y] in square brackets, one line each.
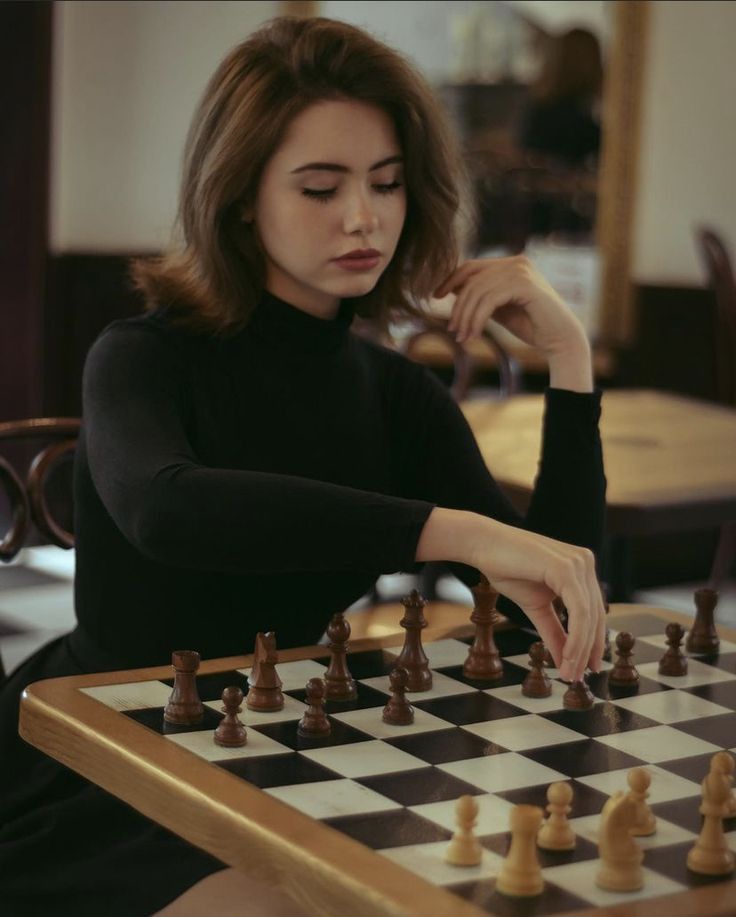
[362, 818]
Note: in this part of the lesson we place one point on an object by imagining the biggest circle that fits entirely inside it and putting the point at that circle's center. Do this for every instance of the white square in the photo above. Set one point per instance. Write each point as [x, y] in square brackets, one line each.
[665, 835]
[671, 706]
[507, 771]
[292, 710]
[579, 879]
[440, 653]
[428, 862]
[295, 675]
[519, 733]
[658, 743]
[442, 686]
[511, 694]
[203, 744]
[493, 814]
[363, 759]
[332, 798]
[369, 720]
[139, 695]
[698, 673]
[664, 787]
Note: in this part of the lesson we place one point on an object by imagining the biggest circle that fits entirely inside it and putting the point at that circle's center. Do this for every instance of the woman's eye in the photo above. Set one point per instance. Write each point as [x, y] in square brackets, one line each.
[326, 193]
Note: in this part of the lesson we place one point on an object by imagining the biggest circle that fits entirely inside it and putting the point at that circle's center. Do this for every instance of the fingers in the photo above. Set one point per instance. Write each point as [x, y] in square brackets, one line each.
[586, 616]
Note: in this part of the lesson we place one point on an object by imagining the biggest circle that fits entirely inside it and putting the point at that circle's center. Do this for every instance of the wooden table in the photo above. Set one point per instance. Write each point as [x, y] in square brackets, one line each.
[670, 460]
[330, 874]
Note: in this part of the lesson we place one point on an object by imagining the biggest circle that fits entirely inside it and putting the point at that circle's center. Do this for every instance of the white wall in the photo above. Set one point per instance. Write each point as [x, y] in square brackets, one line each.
[126, 78]
[687, 170]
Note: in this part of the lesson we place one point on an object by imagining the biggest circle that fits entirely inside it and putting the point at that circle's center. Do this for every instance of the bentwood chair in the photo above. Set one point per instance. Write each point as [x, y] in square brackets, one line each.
[39, 500]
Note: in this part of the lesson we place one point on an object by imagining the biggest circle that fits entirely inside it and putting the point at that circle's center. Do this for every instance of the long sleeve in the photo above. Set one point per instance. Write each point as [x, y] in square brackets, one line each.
[176, 510]
[442, 463]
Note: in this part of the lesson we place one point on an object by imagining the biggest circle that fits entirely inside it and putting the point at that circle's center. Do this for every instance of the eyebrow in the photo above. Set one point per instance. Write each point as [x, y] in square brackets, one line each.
[335, 167]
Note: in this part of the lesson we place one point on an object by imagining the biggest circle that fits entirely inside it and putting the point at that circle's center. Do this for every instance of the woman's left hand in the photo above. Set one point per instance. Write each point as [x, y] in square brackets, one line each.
[512, 292]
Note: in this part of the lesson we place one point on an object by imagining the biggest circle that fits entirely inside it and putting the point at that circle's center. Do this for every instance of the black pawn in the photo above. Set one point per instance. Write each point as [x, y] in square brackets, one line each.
[231, 733]
[578, 696]
[398, 711]
[623, 674]
[536, 683]
[674, 661]
[314, 722]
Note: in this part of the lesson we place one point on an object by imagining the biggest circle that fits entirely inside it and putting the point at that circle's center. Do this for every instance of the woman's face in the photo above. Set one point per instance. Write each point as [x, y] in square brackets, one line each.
[330, 189]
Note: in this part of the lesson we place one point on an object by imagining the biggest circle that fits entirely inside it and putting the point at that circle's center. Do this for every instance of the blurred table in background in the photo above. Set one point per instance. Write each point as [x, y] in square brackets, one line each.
[669, 463]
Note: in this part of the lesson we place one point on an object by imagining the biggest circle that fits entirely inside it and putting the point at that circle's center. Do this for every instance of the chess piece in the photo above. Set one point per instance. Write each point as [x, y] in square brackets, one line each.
[464, 849]
[314, 722]
[723, 761]
[645, 824]
[520, 874]
[398, 711]
[703, 637]
[484, 660]
[711, 855]
[264, 684]
[556, 833]
[340, 684]
[578, 696]
[230, 732]
[623, 674]
[536, 683]
[620, 856]
[184, 708]
[412, 656]
[674, 661]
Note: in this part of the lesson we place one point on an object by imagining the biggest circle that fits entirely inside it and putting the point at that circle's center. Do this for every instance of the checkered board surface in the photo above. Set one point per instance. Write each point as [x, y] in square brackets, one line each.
[394, 788]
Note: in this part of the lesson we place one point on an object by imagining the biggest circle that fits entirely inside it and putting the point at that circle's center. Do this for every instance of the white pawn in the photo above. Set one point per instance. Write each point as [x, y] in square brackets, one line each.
[556, 833]
[724, 762]
[520, 874]
[645, 823]
[464, 848]
[620, 856]
[711, 855]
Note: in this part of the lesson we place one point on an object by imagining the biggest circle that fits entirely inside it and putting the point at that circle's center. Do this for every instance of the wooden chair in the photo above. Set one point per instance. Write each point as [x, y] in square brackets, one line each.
[31, 510]
[720, 274]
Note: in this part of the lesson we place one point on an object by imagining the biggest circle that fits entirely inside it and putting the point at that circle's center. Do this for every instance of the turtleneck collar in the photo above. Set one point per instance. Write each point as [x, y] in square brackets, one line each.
[288, 328]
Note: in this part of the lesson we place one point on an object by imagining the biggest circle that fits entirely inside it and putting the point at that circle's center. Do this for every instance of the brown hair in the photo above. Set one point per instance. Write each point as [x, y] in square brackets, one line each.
[213, 272]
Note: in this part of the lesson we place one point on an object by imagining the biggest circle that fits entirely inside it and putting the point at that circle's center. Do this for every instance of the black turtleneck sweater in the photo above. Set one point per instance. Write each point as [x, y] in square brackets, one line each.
[229, 486]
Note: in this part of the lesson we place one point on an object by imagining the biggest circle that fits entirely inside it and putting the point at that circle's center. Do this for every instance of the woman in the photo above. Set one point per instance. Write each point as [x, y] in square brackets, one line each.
[248, 464]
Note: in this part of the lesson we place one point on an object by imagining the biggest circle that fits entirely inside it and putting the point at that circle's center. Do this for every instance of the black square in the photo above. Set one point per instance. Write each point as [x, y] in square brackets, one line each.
[398, 828]
[724, 661]
[553, 900]
[601, 720]
[641, 653]
[694, 768]
[671, 861]
[210, 687]
[370, 663]
[413, 788]
[580, 759]
[585, 799]
[512, 675]
[367, 697]
[462, 709]
[286, 733]
[153, 718]
[278, 770]
[445, 745]
[719, 729]
[721, 692]
[514, 641]
[601, 688]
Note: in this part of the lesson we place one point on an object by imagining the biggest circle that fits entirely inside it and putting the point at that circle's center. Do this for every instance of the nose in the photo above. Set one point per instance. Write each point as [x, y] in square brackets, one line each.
[360, 215]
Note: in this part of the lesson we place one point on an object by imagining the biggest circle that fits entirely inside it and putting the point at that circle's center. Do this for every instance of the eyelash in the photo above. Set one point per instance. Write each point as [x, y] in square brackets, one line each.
[325, 195]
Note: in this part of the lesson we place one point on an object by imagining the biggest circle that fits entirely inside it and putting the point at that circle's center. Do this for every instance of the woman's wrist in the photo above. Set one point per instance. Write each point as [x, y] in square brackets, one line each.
[453, 535]
[571, 368]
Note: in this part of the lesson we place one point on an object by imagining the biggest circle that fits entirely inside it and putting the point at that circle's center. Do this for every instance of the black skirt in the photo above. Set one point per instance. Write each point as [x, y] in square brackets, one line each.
[66, 846]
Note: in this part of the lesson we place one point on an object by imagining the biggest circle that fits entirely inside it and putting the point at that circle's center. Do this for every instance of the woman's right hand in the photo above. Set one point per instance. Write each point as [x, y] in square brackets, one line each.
[531, 570]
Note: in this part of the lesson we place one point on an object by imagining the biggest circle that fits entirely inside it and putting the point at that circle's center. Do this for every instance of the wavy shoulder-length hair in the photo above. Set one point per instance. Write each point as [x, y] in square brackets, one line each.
[212, 274]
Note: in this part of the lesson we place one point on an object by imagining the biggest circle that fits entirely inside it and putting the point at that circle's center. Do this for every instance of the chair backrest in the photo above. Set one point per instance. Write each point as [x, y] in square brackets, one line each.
[466, 368]
[717, 262]
[27, 495]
